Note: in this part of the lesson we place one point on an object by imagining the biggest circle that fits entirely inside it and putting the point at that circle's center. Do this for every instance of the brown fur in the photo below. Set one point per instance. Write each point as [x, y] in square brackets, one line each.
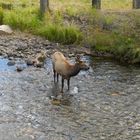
[62, 67]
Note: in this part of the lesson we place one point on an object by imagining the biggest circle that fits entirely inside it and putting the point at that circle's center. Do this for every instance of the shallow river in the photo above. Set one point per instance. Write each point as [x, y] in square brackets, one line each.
[103, 103]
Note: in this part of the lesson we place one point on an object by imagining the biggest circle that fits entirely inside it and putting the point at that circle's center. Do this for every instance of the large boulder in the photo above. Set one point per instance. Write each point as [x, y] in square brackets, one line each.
[5, 29]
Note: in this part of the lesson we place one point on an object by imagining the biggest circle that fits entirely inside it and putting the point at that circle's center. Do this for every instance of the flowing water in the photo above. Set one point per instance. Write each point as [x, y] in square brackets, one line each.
[103, 103]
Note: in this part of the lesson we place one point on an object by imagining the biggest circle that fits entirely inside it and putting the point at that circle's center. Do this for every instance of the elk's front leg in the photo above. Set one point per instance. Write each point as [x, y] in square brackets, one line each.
[62, 85]
[68, 84]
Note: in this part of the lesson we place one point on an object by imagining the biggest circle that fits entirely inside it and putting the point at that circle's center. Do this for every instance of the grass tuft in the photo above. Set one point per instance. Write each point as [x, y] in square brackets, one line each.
[1, 15]
[60, 34]
[21, 19]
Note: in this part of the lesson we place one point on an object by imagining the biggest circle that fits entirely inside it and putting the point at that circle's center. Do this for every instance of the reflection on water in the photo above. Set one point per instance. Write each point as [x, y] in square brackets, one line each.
[4, 66]
[60, 98]
[55, 89]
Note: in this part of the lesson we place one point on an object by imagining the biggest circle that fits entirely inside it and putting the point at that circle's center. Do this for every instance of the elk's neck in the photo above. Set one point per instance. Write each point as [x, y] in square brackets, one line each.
[74, 70]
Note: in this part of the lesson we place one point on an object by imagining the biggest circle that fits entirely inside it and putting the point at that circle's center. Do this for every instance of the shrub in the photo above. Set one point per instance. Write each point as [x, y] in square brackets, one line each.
[21, 19]
[59, 33]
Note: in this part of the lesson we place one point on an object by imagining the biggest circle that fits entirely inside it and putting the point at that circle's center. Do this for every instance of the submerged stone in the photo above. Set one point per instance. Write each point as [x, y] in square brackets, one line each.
[20, 68]
[11, 63]
[29, 62]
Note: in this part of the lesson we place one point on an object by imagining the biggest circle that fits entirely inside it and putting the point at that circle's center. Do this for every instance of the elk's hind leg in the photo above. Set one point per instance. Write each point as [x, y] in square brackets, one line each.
[62, 85]
[57, 77]
[54, 74]
[68, 84]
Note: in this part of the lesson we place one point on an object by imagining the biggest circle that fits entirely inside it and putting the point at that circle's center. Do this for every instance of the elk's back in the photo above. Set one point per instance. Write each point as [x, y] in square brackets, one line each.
[58, 56]
[60, 64]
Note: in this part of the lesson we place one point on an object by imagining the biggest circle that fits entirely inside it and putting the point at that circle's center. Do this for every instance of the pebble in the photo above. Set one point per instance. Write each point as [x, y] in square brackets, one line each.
[19, 68]
[29, 62]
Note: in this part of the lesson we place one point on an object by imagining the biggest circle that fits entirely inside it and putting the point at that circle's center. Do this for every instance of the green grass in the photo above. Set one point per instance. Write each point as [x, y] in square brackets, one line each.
[1, 16]
[124, 48]
[60, 34]
[22, 19]
[50, 26]
[117, 4]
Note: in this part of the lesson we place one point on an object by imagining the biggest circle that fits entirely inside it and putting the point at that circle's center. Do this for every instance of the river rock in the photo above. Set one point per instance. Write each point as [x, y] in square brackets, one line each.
[20, 68]
[29, 62]
[11, 63]
[39, 65]
[75, 90]
[5, 29]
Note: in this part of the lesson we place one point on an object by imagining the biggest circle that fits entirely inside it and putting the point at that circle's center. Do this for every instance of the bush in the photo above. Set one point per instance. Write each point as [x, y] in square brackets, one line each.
[59, 33]
[21, 19]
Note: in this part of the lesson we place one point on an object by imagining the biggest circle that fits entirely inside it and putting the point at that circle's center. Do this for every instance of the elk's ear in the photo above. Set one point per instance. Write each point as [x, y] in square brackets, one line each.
[77, 59]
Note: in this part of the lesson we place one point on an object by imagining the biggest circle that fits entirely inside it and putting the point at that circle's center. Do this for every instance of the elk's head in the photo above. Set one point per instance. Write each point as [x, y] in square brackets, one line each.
[81, 64]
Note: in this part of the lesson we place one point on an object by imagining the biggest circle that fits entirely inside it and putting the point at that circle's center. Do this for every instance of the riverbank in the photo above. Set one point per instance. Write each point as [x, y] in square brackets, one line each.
[117, 33]
[103, 32]
[27, 46]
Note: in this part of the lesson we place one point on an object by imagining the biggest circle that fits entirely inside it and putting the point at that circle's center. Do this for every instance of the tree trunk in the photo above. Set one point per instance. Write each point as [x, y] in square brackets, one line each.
[136, 4]
[96, 4]
[44, 6]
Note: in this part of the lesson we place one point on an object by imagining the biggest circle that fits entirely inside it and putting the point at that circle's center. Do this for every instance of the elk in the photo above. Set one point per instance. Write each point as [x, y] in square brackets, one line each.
[62, 67]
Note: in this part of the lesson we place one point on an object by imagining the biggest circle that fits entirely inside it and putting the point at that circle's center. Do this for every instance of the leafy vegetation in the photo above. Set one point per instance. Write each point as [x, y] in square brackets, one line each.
[1, 15]
[58, 33]
[25, 19]
[28, 18]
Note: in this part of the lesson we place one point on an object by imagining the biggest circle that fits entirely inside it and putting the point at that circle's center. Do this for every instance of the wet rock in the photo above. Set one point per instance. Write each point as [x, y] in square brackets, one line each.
[72, 55]
[136, 126]
[52, 97]
[75, 90]
[39, 65]
[29, 62]
[59, 97]
[11, 63]
[20, 68]
[10, 54]
[40, 59]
